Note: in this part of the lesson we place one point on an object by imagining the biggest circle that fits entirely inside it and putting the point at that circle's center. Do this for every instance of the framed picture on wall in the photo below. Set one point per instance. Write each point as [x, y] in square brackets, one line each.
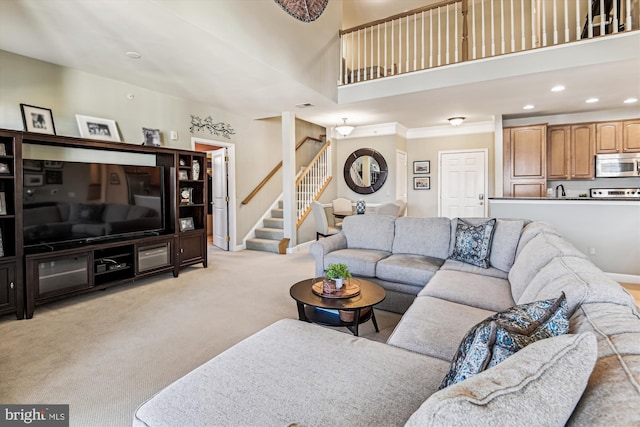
[33, 179]
[53, 177]
[37, 119]
[97, 128]
[421, 183]
[422, 166]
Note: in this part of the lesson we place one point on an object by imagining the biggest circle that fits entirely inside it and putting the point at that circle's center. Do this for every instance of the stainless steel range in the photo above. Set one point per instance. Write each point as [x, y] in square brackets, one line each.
[614, 193]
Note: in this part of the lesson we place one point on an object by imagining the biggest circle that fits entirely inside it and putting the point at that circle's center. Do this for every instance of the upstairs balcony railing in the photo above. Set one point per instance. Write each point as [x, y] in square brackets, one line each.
[454, 31]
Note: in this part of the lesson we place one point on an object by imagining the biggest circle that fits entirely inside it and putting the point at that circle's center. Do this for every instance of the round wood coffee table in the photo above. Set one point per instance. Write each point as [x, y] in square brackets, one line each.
[314, 308]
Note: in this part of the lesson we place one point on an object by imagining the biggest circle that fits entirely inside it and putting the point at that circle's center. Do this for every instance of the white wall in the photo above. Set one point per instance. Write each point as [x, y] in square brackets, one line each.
[68, 92]
[424, 203]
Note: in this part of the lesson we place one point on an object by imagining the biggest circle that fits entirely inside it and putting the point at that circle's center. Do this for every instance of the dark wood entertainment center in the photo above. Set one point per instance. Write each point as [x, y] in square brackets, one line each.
[33, 276]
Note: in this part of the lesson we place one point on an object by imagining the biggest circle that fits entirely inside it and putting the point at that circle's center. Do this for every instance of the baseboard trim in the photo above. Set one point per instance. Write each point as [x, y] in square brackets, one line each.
[625, 278]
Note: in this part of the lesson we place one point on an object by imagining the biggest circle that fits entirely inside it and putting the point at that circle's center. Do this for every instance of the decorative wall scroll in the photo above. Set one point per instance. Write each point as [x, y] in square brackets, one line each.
[217, 129]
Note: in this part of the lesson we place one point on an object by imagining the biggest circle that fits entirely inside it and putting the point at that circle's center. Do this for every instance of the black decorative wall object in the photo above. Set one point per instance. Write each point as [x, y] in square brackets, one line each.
[217, 129]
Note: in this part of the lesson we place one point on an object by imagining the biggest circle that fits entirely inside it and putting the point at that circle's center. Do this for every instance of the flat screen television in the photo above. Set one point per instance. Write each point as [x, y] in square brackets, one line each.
[67, 202]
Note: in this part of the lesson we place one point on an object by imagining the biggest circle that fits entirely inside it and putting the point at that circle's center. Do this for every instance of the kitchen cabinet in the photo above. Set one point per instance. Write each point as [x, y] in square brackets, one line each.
[631, 136]
[571, 150]
[608, 137]
[618, 137]
[525, 161]
[582, 151]
[558, 150]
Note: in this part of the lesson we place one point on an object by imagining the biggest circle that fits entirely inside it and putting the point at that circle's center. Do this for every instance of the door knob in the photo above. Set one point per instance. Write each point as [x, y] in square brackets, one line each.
[480, 196]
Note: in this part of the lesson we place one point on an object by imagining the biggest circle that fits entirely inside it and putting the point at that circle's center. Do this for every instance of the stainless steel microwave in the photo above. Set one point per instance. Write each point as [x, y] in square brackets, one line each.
[617, 165]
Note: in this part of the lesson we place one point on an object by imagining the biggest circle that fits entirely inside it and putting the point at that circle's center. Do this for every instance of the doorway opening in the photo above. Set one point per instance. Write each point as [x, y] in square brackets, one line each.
[222, 190]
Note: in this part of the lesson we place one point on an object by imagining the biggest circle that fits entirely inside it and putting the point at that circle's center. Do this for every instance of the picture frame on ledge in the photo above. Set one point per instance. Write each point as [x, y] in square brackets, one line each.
[3, 204]
[183, 175]
[421, 183]
[186, 224]
[37, 119]
[151, 137]
[98, 128]
[3, 149]
[422, 167]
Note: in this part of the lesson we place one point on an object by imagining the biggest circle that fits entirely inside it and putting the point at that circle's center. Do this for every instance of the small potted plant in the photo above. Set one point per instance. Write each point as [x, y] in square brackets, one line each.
[338, 272]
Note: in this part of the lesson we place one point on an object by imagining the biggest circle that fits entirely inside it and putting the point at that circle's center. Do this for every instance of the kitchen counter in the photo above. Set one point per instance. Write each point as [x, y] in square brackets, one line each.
[606, 230]
[633, 200]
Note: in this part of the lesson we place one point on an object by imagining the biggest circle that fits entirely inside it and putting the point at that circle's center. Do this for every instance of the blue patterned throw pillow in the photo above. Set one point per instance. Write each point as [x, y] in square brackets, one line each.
[473, 242]
[496, 338]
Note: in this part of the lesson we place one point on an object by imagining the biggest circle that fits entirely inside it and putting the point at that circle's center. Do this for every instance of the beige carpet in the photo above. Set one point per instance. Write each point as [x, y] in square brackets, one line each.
[107, 352]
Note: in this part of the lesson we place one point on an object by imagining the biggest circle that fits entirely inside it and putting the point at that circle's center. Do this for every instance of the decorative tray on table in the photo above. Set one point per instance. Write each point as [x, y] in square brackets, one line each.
[349, 289]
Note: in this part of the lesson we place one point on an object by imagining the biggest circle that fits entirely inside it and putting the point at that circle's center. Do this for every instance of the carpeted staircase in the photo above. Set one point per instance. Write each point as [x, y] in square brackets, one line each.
[270, 237]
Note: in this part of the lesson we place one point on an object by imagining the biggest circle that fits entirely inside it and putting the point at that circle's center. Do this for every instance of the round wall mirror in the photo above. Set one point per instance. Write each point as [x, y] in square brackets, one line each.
[365, 171]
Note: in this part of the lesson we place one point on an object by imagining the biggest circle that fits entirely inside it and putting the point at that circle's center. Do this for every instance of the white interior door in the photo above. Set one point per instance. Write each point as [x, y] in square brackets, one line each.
[401, 178]
[463, 183]
[220, 200]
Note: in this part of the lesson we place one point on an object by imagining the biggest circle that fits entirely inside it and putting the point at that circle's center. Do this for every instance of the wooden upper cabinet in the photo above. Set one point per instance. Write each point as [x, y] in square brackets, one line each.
[583, 142]
[528, 152]
[558, 152]
[631, 136]
[608, 137]
[525, 161]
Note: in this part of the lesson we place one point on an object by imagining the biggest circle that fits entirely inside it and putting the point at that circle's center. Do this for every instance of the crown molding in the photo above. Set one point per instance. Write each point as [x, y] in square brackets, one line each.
[398, 129]
[448, 130]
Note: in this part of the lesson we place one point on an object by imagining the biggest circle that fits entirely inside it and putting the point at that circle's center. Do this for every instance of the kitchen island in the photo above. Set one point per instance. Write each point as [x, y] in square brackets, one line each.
[607, 230]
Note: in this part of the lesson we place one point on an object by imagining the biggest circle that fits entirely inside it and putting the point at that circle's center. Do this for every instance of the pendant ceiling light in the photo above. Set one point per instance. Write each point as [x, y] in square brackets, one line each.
[344, 129]
[303, 10]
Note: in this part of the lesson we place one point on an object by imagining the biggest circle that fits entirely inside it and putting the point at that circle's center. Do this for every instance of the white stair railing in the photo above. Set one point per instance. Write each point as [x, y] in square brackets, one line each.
[453, 31]
[313, 180]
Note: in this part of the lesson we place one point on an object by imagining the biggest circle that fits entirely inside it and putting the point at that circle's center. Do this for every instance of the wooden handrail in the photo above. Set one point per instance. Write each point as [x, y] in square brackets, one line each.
[398, 16]
[310, 165]
[274, 170]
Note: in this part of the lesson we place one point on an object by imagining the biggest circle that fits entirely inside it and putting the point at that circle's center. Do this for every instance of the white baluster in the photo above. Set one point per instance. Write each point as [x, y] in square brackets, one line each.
[407, 35]
[455, 33]
[446, 32]
[502, 35]
[379, 59]
[627, 26]
[372, 61]
[364, 67]
[602, 17]
[566, 21]
[422, 43]
[386, 64]
[358, 55]
[400, 45]
[513, 29]
[522, 20]
[415, 42]
[353, 57]
[555, 22]
[544, 24]
[533, 25]
[431, 38]
[484, 52]
[614, 19]
[578, 23]
[439, 39]
[473, 29]
[493, 32]
[590, 21]
[393, 54]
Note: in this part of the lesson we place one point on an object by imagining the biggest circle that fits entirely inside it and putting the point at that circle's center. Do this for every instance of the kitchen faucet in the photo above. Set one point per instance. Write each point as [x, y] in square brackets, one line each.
[558, 187]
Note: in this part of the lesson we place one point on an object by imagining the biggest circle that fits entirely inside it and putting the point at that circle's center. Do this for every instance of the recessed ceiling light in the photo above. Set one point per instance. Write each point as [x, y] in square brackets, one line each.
[557, 88]
[592, 100]
[304, 105]
[529, 107]
[134, 55]
[630, 100]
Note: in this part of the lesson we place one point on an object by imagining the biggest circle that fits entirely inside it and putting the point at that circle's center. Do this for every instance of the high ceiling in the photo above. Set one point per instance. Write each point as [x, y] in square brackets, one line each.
[251, 58]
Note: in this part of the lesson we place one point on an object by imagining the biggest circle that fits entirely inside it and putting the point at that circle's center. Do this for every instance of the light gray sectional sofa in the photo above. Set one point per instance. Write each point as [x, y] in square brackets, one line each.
[294, 373]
